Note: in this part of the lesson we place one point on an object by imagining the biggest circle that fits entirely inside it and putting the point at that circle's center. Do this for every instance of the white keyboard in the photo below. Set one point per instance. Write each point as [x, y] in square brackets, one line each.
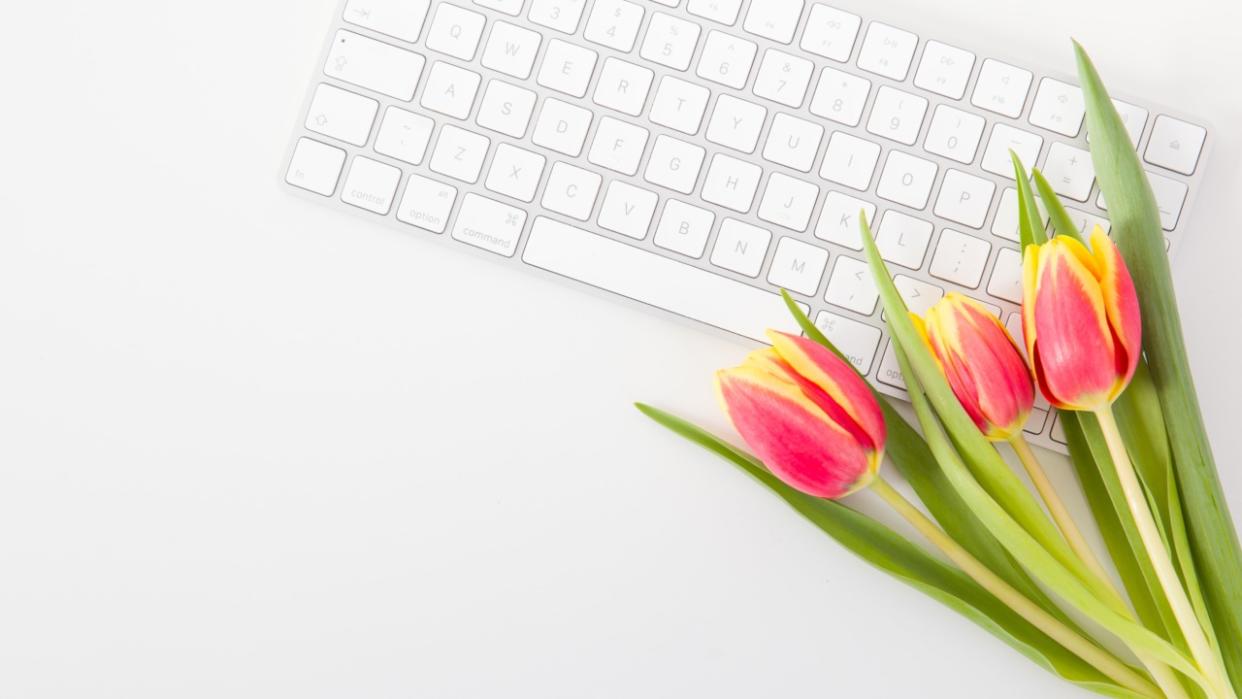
[699, 155]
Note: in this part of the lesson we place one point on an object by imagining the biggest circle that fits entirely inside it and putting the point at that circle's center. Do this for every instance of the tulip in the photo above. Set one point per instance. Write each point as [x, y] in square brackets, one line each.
[1080, 316]
[807, 415]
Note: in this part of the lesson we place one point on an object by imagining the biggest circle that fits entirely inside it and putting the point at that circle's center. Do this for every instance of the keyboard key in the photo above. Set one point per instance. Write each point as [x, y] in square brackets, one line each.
[562, 127]
[723, 11]
[1134, 118]
[450, 90]
[857, 341]
[1006, 281]
[903, 239]
[614, 23]
[404, 135]
[506, 108]
[455, 31]
[838, 221]
[797, 266]
[341, 114]
[960, 258]
[1170, 197]
[1001, 88]
[402, 19]
[740, 247]
[736, 123]
[509, 7]
[426, 203]
[459, 153]
[679, 104]
[674, 164]
[670, 41]
[618, 145]
[489, 225]
[1175, 145]
[1069, 171]
[849, 161]
[561, 15]
[793, 142]
[852, 287]
[655, 280]
[907, 180]
[783, 78]
[788, 202]
[567, 68]
[315, 166]
[1005, 224]
[918, 295]
[830, 33]
[1058, 107]
[887, 51]
[964, 198]
[623, 86]
[515, 172]
[774, 19]
[840, 96]
[683, 228]
[944, 70]
[511, 50]
[1004, 138]
[627, 210]
[371, 185]
[725, 59]
[897, 115]
[374, 65]
[571, 191]
[731, 183]
[954, 134]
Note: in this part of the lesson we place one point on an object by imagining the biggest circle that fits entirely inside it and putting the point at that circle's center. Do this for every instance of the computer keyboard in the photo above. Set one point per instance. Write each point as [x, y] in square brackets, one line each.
[699, 155]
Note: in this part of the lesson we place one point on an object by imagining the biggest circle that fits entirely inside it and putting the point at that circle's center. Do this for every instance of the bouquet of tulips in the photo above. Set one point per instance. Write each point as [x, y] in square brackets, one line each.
[1102, 342]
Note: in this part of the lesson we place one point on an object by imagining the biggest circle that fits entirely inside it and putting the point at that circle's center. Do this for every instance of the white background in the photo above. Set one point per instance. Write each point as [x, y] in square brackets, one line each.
[253, 447]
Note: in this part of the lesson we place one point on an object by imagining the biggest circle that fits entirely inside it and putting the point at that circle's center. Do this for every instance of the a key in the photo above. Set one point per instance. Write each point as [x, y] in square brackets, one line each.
[731, 183]
[903, 239]
[683, 228]
[567, 68]
[840, 96]
[1134, 118]
[890, 368]
[1005, 224]
[857, 341]
[740, 247]
[622, 86]
[571, 191]
[618, 145]
[674, 164]
[726, 59]
[1058, 107]
[670, 41]
[1069, 171]
[793, 142]
[315, 166]
[736, 123]
[511, 49]
[455, 31]
[887, 51]
[561, 15]
[506, 108]
[1001, 88]
[897, 115]
[1086, 222]
[627, 210]
[459, 153]
[918, 295]
[783, 78]
[964, 198]
[370, 185]
[954, 134]
[426, 203]
[838, 220]
[944, 70]
[488, 224]
[774, 19]
[830, 33]
[907, 180]
[852, 287]
[515, 172]
[341, 114]
[374, 65]
[788, 202]
[450, 90]
[614, 23]
[402, 19]
[722, 11]
[1170, 197]
[849, 161]
[797, 266]
[1004, 138]
[1175, 145]
[1006, 281]
[679, 104]
[960, 258]
[509, 7]
[562, 127]
[404, 135]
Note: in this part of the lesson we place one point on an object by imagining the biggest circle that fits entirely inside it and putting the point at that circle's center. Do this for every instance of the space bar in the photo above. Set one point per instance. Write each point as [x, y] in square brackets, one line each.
[658, 281]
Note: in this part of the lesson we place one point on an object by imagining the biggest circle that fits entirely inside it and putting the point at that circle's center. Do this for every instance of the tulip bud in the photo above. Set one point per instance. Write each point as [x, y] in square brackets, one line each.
[806, 415]
[983, 365]
[1080, 316]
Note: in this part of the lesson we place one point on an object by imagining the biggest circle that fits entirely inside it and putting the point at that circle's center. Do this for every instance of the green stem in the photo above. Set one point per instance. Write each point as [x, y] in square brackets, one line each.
[1207, 660]
[1096, 656]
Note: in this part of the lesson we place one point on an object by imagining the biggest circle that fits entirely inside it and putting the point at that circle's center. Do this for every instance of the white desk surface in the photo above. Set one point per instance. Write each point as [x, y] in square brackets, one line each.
[252, 447]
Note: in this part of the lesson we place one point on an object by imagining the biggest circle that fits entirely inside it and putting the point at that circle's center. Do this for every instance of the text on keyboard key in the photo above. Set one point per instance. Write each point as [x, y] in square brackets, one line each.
[1001, 88]
[960, 258]
[1175, 144]
[1058, 107]
[315, 166]
[341, 114]
[426, 203]
[944, 70]
[371, 185]
[404, 135]
[455, 31]
[670, 41]
[1005, 138]
[774, 19]
[741, 247]
[857, 341]
[903, 239]
[489, 225]
[402, 19]
[830, 32]
[797, 266]
[851, 286]
[887, 51]
[374, 65]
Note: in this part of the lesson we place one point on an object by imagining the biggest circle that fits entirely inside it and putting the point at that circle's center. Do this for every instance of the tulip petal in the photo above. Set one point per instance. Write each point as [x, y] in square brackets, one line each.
[987, 363]
[1120, 304]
